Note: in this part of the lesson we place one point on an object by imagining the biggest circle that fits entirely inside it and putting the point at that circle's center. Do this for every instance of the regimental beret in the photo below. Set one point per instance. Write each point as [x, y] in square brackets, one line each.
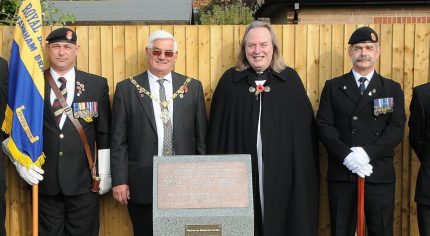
[62, 35]
[363, 34]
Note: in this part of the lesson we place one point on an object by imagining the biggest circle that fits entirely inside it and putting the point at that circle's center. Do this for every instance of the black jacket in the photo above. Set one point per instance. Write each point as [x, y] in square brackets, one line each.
[68, 172]
[419, 137]
[346, 119]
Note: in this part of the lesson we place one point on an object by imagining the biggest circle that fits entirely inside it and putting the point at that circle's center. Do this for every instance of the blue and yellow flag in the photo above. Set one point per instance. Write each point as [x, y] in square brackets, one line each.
[24, 113]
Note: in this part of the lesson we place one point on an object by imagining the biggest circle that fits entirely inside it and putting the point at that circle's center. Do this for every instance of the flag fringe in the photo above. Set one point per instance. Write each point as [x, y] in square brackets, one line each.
[23, 158]
[7, 123]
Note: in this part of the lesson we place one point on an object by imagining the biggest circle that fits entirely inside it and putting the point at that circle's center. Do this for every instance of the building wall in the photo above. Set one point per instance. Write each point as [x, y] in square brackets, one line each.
[357, 15]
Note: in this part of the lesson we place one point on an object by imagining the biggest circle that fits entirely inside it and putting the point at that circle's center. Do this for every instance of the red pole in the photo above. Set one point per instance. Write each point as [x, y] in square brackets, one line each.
[360, 207]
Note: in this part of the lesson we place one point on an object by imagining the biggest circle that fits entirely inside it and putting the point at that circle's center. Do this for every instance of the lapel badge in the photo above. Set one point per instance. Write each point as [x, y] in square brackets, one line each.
[373, 90]
[370, 93]
[184, 89]
[344, 87]
[80, 88]
[383, 105]
[251, 89]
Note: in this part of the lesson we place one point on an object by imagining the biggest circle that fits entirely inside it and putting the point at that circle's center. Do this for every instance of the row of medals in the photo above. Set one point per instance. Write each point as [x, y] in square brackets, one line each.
[85, 109]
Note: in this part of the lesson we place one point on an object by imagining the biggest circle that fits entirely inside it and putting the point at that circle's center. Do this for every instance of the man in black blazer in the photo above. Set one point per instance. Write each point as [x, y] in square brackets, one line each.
[66, 204]
[360, 121]
[419, 137]
[4, 73]
[143, 126]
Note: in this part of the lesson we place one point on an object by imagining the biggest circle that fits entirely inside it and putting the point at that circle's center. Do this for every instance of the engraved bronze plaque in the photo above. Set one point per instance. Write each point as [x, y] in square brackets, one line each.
[188, 185]
[203, 230]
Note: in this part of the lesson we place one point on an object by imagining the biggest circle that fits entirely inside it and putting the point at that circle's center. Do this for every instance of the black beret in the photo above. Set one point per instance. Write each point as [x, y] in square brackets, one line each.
[363, 34]
[62, 35]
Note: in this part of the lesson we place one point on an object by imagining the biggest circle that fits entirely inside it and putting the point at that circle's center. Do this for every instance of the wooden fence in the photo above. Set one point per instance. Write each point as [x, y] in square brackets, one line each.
[317, 52]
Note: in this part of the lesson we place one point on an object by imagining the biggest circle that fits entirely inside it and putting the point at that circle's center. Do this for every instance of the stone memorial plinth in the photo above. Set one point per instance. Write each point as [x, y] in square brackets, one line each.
[203, 196]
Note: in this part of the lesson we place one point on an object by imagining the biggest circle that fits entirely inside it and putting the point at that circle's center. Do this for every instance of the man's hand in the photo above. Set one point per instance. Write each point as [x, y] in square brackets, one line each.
[121, 193]
[30, 175]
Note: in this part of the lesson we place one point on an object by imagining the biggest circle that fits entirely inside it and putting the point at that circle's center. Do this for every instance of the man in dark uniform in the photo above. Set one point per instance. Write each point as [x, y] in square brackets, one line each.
[3, 102]
[260, 107]
[66, 204]
[360, 121]
[419, 137]
[158, 112]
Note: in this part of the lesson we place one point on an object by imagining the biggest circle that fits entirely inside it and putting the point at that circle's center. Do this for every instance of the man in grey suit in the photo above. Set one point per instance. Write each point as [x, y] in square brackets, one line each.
[158, 112]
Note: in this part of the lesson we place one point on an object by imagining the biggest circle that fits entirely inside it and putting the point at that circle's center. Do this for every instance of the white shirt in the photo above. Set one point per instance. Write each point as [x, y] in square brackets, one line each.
[70, 86]
[259, 144]
[357, 76]
[154, 87]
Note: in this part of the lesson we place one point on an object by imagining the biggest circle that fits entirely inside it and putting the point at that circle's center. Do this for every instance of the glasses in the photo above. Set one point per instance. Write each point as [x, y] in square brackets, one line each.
[167, 53]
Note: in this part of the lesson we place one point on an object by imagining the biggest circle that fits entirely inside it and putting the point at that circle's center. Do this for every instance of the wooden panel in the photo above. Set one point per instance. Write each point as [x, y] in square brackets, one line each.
[94, 51]
[192, 52]
[83, 54]
[204, 63]
[288, 42]
[312, 64]
[301, 51]
[179, 34]
[317, 52]
[130, 50]
[325, 55]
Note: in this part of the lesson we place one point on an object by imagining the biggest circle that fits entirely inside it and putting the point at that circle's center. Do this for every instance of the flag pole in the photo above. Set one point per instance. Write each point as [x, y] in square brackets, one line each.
[35, 209]
[360, 207]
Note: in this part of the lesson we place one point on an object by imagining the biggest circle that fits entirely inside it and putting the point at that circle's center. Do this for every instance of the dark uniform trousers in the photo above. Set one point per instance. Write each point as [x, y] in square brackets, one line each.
[81, 218]
[347, 119]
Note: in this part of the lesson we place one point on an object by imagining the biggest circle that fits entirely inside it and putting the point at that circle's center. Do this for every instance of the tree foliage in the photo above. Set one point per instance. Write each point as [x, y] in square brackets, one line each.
[226, 13]
[51, 14]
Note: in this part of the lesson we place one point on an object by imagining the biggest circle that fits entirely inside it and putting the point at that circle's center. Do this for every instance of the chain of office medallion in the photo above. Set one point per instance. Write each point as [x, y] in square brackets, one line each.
[141, 90]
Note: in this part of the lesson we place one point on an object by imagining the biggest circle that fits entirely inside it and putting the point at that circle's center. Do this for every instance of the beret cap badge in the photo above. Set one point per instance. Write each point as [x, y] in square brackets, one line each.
[69, 35]
[373, 37]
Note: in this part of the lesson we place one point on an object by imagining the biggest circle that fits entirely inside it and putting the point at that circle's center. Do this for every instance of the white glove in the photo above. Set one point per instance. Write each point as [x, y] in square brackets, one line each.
[361, 156]
[32, 175]
[364, 171]
[350, 162]
[104, 171]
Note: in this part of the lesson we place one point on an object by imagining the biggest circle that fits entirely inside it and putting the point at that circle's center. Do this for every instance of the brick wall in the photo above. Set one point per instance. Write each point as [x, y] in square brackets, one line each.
[358, 15]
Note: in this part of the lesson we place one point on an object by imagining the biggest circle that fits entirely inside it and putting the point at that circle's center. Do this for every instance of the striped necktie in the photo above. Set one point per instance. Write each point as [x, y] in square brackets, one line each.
[167, 124]
[56, 105]
[362, 86]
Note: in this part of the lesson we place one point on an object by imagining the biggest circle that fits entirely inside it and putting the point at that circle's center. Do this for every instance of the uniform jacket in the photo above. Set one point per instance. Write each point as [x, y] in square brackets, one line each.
[66, 165]
[419, 137]
[346, 119]
[289, 145]
[134, 135]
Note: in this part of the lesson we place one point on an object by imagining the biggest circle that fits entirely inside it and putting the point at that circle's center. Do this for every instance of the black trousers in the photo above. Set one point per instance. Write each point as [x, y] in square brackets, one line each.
[423, 215]
[141, 218]
[61, 215]
[378, 208]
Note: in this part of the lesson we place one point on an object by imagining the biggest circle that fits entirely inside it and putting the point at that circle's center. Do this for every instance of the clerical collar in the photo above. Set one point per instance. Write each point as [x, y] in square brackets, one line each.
[260, 75]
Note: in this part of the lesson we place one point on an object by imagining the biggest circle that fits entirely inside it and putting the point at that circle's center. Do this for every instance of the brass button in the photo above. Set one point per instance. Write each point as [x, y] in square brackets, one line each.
[355, 118]
[60, 154]
[61, 135]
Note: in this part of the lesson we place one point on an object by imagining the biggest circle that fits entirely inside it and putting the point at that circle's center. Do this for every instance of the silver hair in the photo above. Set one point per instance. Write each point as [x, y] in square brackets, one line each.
[162, 34]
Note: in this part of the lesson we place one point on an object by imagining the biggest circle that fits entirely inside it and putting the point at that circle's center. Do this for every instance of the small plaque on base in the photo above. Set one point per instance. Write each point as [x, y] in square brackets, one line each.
[203, 230]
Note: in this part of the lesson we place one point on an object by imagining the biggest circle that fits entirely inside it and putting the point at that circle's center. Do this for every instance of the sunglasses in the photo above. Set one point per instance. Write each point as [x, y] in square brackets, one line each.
[157, 53]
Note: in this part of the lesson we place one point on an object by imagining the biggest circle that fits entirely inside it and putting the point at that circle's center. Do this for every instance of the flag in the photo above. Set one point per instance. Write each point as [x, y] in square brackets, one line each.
[24, 112]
